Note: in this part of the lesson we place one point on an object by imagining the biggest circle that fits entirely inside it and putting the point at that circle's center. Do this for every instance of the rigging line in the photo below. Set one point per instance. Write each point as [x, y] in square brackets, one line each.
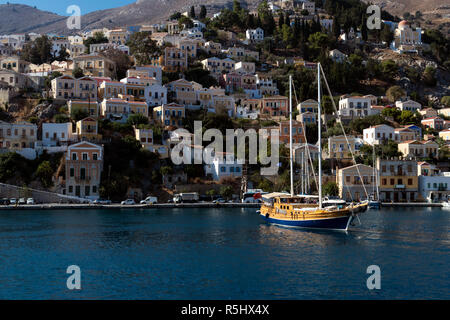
[306, 141]
[345, 135]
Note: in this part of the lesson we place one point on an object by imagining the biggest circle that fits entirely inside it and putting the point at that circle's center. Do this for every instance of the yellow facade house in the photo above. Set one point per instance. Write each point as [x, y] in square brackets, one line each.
[356, 182]
[89, 107]
[87, 130]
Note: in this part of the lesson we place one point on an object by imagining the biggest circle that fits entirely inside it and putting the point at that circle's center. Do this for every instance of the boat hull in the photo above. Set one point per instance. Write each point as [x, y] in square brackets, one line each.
[333, 223]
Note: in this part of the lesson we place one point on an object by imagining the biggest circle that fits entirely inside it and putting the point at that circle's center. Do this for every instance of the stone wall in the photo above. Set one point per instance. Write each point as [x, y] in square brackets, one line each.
[39, 196]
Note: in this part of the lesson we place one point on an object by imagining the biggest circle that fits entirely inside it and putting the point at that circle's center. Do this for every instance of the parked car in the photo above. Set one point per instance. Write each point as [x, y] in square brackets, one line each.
[13, 201]
[128, 202]
[22, 201]
[220, 200]
[4, 201]
[102, 201]
[150, 200]
[30, 201]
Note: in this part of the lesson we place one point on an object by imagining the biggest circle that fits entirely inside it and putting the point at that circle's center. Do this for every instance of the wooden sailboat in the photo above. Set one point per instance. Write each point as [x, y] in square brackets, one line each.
[302, 211]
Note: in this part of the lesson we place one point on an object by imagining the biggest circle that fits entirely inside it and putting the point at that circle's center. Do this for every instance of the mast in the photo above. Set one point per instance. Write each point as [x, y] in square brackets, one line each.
[291, 160]
[320, 134]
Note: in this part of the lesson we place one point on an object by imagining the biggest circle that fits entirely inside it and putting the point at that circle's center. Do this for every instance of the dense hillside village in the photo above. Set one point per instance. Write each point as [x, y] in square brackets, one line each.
[94, 114]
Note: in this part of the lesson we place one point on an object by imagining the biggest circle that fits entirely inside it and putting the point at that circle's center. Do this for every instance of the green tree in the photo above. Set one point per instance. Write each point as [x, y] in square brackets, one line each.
[61, 118]
[394, 93]
[429, 76]
[38, 51]
[389, 69]
[78, 114]
[143, 48]
[386, 34]
[98, 37]
[266, 18]
[446, 101]
[137, 119]
[63, 55]
[77, 72]
[331, 189]
[202, 12]
[192, 12]
[185, 23]
[45, 173]
[122, 60]
[226, 192]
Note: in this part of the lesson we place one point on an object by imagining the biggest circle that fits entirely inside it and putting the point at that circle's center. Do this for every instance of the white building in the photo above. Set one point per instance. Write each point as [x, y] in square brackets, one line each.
[155, 95]
[54, 134]
[435, 188]
[338, 56]
[223, 165]
[408, 105]
[355, 106]
[407, 39]
[378, 134]
[254, 35]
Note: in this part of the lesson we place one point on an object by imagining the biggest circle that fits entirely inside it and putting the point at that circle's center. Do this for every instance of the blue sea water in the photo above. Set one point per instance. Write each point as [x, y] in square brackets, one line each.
[220, 254]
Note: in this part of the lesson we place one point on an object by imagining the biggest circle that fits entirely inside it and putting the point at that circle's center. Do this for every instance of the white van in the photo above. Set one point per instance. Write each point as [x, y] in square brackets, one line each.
[150, 200]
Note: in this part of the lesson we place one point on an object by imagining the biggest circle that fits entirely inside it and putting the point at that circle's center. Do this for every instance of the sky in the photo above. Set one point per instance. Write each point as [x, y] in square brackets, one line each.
[60, 6]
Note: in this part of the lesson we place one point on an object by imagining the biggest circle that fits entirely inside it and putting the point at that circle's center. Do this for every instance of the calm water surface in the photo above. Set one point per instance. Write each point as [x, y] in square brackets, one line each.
[220, 254]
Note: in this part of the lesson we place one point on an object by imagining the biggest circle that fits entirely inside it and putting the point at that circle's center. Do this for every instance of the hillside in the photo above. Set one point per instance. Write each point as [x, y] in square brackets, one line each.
[17, 18]
[22, 18]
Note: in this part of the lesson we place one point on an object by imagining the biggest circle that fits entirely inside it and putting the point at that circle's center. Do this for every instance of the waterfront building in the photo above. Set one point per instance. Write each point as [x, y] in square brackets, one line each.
[84, 165]
[398, 180]
[223, 165]
[427, 169]
[351, 188]
[436, 187]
